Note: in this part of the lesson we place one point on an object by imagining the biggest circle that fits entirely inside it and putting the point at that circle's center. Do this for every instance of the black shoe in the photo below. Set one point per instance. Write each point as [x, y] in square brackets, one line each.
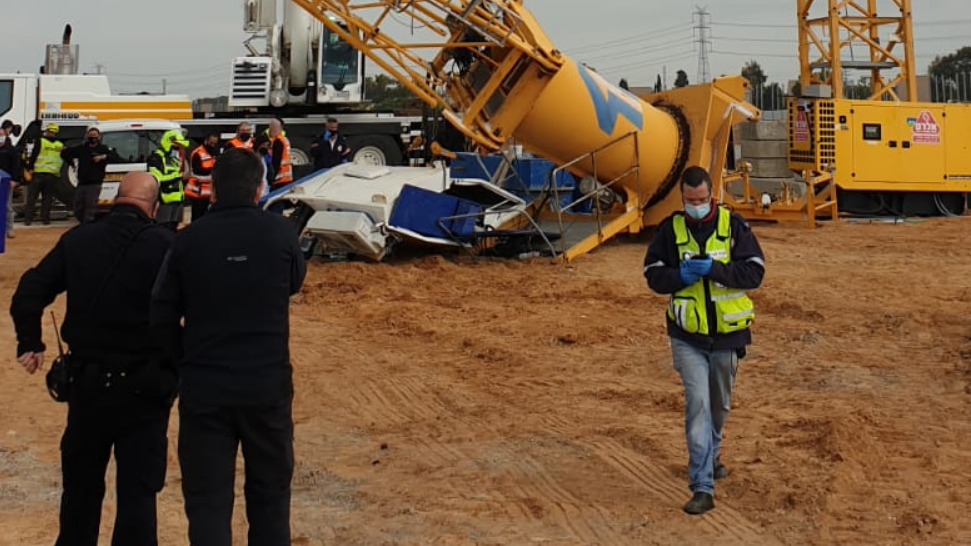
[27, 222]
[699, 504]
[721, 471]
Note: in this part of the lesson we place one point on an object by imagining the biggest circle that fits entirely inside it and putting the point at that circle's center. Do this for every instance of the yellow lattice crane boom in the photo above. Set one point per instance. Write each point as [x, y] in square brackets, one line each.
[497, 77]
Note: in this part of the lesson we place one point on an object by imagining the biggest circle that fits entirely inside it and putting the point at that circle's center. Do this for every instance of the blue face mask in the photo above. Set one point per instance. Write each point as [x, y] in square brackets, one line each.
[697, 211]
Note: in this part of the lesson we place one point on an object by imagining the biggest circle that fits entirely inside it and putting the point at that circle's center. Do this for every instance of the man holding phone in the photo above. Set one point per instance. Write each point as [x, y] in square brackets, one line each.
[705, 258]
[92, 158]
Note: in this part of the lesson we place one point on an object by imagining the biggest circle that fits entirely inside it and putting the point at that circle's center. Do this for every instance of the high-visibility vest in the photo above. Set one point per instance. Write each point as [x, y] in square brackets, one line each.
[285, 174]
[235, 142]
[199, 186]
[689, 306]
[169, 179]
[49, 158]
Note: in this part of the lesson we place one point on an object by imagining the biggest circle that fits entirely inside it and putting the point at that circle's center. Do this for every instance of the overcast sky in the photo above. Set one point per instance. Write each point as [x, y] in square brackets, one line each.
[190, 43]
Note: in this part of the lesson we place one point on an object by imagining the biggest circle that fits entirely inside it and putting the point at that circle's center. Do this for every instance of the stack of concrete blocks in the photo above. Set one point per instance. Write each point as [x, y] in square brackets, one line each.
[764, 145]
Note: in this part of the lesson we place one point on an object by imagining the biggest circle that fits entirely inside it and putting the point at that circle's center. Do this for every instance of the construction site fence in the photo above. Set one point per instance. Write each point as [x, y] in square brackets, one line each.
[954, 88]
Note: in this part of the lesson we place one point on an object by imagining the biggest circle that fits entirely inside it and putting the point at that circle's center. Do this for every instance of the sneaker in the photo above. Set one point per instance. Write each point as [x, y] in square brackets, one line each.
[721, 471]
[700, 503]
[10, 235]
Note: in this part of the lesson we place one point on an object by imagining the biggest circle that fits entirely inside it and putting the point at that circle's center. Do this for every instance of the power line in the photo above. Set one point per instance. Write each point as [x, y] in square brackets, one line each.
[756, 55]
[917, 24]
[636, 52]
[187, 72]
[625, 41]
[644, 64]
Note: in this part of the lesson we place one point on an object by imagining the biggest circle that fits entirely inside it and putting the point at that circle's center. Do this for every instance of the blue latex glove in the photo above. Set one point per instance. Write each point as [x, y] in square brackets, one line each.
[688, 277]
[700, 266]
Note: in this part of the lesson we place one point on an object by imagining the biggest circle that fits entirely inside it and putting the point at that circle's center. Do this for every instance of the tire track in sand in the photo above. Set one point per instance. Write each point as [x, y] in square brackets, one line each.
[724, 521]
[545, 500]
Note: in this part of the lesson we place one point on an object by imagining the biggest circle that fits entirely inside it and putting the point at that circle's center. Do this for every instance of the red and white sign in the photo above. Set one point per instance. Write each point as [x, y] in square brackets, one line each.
[800, 129]
[926, 129]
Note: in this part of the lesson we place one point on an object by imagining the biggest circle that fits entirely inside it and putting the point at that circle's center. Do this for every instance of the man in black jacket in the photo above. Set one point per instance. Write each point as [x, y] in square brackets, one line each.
[229, 276]
[705, 258]
[331, 149]
[122, 391]
[92, 158]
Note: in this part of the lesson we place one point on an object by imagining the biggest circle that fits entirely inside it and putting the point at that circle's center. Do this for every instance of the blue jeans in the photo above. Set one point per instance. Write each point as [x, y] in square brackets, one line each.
[708, 378]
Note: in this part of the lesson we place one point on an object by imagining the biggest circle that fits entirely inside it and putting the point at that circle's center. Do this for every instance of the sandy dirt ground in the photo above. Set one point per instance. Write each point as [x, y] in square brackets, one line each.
[447, 401]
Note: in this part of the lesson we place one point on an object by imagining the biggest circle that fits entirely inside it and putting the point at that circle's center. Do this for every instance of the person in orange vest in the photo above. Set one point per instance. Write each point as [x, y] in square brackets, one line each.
[280, 152]
[243, 138]
[199, 187]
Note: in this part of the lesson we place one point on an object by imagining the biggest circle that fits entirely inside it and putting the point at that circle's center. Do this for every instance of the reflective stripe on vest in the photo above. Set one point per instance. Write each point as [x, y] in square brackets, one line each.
[170, 179]
[285, 174]
[235, 142]
[49, 158]
[689, 306]
[199, 186]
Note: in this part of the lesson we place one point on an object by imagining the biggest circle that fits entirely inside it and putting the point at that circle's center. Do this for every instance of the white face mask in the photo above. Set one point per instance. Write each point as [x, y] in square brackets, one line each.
[3, 139]
[697, 212]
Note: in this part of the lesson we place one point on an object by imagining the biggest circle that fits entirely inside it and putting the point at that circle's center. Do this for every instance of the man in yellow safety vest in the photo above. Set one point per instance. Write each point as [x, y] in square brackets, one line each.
[705, 258]
[45, 164]
[167, 165]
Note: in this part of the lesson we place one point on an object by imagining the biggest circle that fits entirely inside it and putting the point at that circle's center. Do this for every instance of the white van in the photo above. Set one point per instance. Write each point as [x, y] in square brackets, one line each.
[131, 143]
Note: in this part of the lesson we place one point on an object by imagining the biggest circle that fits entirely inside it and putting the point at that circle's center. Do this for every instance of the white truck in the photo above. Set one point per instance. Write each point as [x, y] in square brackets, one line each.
[303, 75]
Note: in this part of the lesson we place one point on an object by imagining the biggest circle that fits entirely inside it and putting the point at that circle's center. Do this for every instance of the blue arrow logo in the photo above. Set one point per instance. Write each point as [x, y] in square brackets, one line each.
[612, 104]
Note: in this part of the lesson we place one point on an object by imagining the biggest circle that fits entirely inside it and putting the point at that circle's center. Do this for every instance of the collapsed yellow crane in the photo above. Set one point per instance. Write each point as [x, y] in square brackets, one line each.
[498, 78]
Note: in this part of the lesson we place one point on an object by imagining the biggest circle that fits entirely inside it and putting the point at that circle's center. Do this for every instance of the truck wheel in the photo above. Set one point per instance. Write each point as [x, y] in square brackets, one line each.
[299, 157]
[375, 150]
[299, 215]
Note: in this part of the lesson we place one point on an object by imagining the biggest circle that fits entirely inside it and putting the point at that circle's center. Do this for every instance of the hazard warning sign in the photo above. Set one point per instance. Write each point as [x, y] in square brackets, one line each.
[800, 129]
[926, 129]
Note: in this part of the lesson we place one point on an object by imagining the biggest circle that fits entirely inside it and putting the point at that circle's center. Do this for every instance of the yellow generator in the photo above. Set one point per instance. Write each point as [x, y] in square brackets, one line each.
[886, 157]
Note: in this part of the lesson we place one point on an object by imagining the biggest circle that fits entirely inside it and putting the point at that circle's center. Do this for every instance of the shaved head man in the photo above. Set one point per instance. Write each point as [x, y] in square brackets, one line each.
[118, 387]
[139, 189]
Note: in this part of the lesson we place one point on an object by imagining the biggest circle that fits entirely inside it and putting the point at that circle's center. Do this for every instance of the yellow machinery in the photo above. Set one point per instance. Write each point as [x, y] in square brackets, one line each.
[497, 78]
[885, 154]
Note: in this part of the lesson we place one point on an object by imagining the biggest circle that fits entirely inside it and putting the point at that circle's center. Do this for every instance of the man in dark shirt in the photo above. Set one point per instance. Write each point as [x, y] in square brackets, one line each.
[331, 149]
[229, 277]
[92, 158]
[122, 391]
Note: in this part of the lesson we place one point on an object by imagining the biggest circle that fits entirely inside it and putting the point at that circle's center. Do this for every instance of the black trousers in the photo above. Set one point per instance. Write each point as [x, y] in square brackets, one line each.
[86, 202]
[199, 207]
[43, 185]
[137, 432]
[208, 442]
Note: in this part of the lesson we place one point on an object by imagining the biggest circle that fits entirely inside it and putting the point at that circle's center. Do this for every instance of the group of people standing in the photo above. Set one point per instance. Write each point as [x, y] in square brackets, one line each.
[41, 171]
[184, 173]
[202, 315]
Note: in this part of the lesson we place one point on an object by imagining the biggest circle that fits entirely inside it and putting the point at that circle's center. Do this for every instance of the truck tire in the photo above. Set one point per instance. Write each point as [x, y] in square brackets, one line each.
[299, 215]
[375, 150]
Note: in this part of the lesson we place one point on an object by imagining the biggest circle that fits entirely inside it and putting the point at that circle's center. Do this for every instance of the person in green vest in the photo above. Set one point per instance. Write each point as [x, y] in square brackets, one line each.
[168, 165]
[45, 165]
[705, 258]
